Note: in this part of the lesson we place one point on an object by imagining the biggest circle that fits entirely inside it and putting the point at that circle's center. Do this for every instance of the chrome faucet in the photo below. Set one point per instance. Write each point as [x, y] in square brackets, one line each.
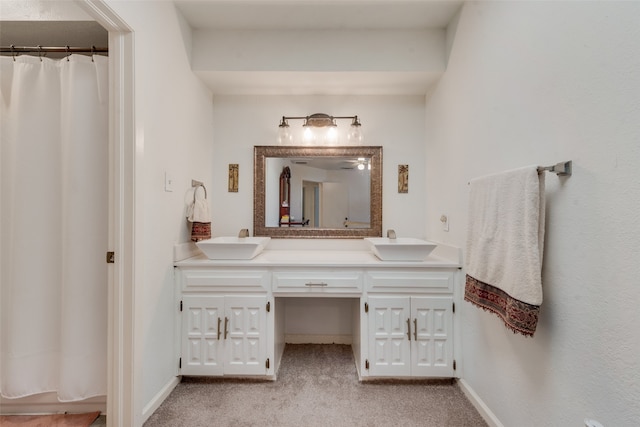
[244, 233]
[391, 234]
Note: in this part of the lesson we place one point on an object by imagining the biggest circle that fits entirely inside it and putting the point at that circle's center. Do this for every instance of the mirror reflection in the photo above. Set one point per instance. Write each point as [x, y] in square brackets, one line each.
[317, 191]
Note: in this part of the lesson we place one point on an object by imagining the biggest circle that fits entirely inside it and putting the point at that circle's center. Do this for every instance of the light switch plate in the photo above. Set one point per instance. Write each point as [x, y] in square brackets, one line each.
[168, 182]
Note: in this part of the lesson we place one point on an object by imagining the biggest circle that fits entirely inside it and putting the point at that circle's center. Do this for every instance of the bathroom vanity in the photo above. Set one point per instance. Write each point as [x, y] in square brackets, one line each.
[232, 320]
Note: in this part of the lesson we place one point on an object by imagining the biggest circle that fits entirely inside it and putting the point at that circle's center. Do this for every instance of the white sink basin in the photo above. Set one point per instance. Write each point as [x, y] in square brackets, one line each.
[233, 247]
[400, 249]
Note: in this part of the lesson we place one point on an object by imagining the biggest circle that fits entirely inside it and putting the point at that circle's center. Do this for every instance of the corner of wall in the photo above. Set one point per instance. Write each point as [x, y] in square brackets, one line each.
[450, 35]
[480, 406]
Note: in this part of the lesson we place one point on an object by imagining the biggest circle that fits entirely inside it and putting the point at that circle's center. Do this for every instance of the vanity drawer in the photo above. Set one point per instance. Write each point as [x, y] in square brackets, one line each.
[223, 279]
[317, 282]
[411, 281]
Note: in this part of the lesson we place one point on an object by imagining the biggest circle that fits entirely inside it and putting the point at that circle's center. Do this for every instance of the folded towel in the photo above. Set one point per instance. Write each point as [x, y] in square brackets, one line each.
[505, 238]
[198, 214]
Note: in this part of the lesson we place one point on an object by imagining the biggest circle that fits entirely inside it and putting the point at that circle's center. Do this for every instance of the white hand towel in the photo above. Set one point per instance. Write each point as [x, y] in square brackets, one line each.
[198, 210]
[505, 238]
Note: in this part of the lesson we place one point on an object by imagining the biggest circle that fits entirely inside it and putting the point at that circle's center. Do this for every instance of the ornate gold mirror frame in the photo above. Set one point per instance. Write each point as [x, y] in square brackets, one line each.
[261, 153]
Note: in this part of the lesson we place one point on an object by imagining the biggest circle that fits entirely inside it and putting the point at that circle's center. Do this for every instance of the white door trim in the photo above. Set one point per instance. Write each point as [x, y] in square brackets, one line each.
[123, 383]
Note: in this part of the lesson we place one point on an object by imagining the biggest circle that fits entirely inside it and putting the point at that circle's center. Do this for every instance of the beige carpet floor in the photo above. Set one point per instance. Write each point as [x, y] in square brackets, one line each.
[317, 385]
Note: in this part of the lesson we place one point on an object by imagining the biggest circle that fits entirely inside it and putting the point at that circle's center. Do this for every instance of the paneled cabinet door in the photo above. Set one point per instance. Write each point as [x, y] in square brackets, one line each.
[410, 336]
[432, 336]
[224, 335]
[246, 336]
[389, 347]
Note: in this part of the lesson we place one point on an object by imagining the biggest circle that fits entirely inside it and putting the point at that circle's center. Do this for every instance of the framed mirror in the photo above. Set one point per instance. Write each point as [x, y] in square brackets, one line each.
[329, 192]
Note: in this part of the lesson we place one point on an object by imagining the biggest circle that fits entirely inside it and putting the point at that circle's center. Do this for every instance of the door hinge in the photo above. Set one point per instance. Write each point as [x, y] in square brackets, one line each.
[267, 364]
[454, 365]
[180, 363]
[181, 306]
[111, 257]
[366, 364]
[366, 307]
[454, 307]
[268, 306]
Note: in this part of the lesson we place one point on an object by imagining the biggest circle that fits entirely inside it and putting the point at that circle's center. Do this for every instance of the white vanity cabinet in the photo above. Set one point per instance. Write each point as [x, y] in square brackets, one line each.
[236, 315]
[409, 317]
[410, 336]
[225, 328]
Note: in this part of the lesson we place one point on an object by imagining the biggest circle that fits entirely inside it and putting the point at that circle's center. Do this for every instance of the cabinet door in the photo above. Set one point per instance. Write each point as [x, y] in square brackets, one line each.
[246, 346]
[202, 346]
[389, 347]
[432, 341]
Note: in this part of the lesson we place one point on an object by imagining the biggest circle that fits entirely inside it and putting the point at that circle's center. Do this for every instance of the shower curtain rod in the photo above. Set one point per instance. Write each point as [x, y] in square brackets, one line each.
[44, 49]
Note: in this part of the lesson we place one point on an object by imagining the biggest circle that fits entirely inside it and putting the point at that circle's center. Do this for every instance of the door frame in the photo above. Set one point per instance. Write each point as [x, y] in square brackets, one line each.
[123, 377]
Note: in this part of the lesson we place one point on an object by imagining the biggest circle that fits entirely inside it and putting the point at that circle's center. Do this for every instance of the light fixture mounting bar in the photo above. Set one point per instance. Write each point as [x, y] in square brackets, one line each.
[319, 120]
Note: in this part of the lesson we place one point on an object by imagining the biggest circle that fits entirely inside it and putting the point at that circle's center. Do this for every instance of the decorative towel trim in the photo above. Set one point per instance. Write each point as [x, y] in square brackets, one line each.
[518, 316]
[200, 231]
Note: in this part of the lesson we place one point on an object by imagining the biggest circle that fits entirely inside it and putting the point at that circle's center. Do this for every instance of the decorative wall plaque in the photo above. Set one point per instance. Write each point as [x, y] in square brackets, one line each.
[233, 178]
[403, 178]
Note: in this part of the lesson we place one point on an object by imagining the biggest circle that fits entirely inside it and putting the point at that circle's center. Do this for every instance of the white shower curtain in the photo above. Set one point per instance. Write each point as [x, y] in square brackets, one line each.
[54, 219]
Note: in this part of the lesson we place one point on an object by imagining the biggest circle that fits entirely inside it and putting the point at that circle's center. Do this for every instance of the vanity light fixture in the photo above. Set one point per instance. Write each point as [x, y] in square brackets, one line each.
[319, 129]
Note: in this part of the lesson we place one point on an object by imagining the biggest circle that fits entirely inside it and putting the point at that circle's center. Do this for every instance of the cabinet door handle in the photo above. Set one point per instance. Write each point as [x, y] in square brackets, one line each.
[226, 327]
[316, 284]
[219, 331]
[409, 329]
[415, 329]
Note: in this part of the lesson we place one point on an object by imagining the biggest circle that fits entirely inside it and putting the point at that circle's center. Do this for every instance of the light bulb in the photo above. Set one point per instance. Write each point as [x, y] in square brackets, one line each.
[284, 135]
[360, 166]
[355, 132]
[308, 136]
[332, 135]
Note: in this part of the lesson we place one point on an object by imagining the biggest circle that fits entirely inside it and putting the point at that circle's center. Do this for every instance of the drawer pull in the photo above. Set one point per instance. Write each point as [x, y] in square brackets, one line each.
[415, 328]
[226, 327]
[316, 284]
[219, 321]
[409, 329]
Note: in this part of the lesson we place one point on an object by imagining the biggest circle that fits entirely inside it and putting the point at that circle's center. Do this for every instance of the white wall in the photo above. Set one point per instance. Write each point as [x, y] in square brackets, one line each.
[174, 131]
[397, 123]
[269, 62]
[539, 83]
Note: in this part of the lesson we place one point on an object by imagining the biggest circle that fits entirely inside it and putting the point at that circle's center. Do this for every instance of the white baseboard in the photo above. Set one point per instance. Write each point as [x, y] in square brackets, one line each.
[157, 400]
[317, 339]
[47, 403]
[480, 406]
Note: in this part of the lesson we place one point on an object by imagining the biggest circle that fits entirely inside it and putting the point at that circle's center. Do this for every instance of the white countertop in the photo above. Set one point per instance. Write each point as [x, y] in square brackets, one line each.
[441, 257]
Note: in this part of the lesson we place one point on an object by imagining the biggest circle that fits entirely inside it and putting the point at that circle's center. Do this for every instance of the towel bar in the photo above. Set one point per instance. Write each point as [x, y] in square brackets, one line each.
[195, 183]
[561, 169]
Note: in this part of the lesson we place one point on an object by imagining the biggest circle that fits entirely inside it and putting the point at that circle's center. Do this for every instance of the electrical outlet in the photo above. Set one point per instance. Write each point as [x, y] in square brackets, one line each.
[444, 219]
